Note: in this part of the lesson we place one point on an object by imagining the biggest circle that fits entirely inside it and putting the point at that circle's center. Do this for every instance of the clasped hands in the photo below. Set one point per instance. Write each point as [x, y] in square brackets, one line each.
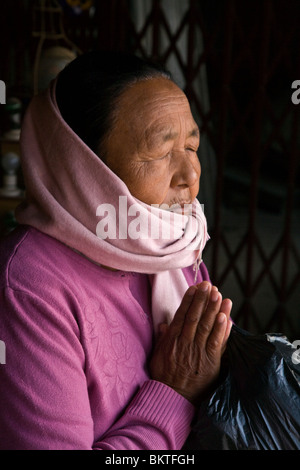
[187, 355]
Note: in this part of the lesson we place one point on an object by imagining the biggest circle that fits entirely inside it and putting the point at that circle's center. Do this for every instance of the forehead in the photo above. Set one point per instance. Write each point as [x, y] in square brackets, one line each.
[154, 107]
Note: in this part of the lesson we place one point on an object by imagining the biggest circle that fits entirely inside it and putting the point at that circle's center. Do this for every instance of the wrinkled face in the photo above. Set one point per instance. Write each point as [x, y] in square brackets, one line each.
[152, 146]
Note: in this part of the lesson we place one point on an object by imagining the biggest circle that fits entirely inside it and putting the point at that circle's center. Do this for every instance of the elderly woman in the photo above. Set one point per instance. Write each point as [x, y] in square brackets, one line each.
[112, 336]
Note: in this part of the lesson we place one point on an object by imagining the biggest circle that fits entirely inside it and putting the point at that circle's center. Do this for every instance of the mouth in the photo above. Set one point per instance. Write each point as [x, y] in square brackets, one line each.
[182, 203]
[180, 207]
[179, 202]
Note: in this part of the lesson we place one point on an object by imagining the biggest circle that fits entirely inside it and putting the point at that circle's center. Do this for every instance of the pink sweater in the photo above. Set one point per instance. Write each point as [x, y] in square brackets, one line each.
[78, 338]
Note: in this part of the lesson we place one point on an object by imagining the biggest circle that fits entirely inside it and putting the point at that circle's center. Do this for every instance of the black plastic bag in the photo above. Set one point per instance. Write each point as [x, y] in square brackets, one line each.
[257, 404]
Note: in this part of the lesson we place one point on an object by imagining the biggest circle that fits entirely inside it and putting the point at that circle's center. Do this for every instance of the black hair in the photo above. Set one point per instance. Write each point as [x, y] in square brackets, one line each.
[88, 88]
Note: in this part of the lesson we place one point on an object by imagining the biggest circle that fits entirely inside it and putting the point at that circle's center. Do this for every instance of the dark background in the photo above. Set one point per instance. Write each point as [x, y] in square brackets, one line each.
[250, 53]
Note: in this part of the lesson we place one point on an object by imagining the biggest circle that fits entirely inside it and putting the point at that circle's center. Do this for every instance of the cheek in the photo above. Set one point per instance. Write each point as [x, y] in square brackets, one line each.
[149, 182]
[194, 191]
[198, 168]
[195, 188]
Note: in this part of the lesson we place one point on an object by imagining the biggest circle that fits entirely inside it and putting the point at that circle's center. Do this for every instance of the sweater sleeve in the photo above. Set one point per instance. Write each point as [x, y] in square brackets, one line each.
[44, 393]
[157, 419]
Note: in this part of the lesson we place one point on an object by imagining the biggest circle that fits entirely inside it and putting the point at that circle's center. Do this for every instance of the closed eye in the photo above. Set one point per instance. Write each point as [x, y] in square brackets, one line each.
[155, 159]
[165, 156]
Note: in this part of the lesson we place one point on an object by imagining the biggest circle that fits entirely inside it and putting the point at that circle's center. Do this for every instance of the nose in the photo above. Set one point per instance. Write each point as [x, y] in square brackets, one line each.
[187, 170]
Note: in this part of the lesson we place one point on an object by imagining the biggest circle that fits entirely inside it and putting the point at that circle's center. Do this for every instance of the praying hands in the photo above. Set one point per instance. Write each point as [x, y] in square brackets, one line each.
[188, 352]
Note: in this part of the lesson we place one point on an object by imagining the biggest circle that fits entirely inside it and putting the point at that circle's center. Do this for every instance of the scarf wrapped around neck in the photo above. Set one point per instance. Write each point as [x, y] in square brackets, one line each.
[74, 197]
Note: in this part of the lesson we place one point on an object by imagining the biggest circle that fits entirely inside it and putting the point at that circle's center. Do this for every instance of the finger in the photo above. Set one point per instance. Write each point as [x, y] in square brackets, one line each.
[208, 318]
[161, 332]
[227, 332]
[216, 338]
[162, 328]
[195, 311]
[226, 308]
[179, 317]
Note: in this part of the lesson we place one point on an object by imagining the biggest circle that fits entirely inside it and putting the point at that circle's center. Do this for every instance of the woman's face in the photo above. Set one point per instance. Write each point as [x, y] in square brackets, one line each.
[153, 144]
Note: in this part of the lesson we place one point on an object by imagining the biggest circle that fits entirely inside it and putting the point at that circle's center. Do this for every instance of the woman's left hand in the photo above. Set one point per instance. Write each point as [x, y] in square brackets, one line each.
[188, 352]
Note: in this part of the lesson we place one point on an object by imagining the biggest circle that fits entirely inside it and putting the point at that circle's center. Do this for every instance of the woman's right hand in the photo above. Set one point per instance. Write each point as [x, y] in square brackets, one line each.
[187, 355]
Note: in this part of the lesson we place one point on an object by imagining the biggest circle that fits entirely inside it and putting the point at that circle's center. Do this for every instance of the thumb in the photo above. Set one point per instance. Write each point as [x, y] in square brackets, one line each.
[161, 330]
